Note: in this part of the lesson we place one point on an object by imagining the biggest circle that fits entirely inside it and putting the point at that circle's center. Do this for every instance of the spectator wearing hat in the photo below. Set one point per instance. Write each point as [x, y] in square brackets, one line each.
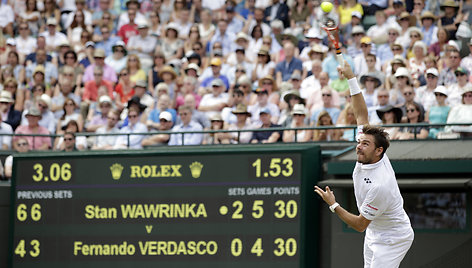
[455, 90]
[447, 75]
[25, 43]
[217, 123]
[99, 120]
[242, 123]
[452, 17]
[215, 101]
[143, 45]
[32, 127]
[429, 29]
[390, 115]
[264, 65]
[266, 136]
[130, 28]
[9, 115]
[314, 45]
[462, 114]
[262, 101]
[187, 124]
[399, 6]
[225, 38]
[354, 48]
[384, 51]
[298, 114]
[168, 75]
[285, 68]
[43, 104]
[89, 53]
[241, 45]
[406, 21]
[192, 70]
[346, 29]
[109, 73]
[370, 82]
[425, 94]
[17, 94]
[216, 73]
[165, 124]
[49, 70]
[164, 103]
[238, 97]
[171, 45]
[133, 103]
[52, 37]
[117, 60]
[134, 126]
[360, 63]
[402, 80]
[392, 66]
[437, 114]
[291, 97]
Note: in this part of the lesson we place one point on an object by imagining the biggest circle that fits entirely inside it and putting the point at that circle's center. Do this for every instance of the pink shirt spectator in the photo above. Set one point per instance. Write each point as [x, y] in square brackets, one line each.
[108, 73]
[37, 142]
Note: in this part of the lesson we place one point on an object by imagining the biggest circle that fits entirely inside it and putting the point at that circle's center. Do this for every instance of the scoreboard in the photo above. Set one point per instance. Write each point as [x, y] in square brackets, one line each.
[249, 206]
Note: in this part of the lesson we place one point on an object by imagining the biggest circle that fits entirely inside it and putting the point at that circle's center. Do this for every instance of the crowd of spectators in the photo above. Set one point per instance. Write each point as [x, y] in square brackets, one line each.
[127, 66]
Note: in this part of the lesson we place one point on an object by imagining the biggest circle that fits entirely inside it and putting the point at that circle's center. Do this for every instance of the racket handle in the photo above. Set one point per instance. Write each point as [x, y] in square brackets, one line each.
[340, 59]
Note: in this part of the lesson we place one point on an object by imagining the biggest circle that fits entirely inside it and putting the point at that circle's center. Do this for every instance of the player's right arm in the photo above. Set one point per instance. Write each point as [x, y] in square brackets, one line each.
[357, 100]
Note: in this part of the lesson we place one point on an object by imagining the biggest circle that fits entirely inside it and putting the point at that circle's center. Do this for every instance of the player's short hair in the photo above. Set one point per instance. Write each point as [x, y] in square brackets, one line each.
[381, 138]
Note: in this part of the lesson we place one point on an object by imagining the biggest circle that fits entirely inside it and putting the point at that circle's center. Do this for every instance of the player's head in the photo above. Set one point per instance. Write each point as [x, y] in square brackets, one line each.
[372, 144]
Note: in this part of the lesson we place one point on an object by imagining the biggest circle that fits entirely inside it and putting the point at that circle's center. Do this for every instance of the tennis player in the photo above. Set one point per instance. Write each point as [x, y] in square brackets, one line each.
[388, 232]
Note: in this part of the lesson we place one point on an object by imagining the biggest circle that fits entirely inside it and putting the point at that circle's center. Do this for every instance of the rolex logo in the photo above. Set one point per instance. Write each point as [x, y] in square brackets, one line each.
[196, 169]
[116, 170]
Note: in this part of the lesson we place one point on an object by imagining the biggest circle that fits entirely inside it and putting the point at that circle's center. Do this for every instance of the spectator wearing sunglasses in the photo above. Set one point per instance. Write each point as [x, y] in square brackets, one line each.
[21, 145]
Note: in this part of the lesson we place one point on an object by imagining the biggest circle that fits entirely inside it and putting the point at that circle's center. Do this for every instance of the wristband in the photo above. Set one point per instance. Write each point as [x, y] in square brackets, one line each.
[353, 86]
[333, 207]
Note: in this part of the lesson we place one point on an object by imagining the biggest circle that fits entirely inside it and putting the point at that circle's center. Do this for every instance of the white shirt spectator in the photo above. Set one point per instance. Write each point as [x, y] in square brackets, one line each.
[54, 40]
[210, 100]
[103, 141]
[6, 15]
[134, 140]
[25, 46]
[425, 97]
[189, 139]
[5, 140]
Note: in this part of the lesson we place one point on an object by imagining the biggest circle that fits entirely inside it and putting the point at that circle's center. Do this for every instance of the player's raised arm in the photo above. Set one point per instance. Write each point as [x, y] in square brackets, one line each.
[357, 100]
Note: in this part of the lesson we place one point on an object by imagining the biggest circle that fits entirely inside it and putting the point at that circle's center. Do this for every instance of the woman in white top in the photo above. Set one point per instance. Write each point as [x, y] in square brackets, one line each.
[206, 28]
[80, 141]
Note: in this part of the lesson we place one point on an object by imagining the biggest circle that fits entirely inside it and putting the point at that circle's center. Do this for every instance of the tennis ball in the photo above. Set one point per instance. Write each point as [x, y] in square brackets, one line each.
[326, 6]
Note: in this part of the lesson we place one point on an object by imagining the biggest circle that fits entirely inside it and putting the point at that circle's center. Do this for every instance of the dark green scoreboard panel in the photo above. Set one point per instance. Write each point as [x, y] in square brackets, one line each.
[193, 207]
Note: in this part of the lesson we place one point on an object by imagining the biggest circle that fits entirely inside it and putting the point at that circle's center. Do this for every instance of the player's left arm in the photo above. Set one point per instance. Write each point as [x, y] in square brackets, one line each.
[357, 222]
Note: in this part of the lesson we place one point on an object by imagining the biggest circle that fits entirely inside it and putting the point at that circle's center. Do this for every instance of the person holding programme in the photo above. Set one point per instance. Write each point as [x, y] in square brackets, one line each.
[389, 234]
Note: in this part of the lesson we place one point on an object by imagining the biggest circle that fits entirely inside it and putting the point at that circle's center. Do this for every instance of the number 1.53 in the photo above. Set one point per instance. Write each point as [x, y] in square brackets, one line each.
[277, 167]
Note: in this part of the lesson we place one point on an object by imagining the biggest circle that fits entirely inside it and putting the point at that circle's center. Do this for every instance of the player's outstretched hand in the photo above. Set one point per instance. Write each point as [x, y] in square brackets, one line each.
[328, 195]
[346, 70]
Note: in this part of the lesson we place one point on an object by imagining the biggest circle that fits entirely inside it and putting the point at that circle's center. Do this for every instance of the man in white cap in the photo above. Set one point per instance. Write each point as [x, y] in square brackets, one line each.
[143, 45]
[215, 101]
[425, 94]
[165, 124]
[53, 37]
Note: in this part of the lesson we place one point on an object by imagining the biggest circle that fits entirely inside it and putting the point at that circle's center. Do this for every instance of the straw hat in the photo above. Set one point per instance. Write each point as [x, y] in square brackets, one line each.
[411, 18]
[167, 69]
[241, 109]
